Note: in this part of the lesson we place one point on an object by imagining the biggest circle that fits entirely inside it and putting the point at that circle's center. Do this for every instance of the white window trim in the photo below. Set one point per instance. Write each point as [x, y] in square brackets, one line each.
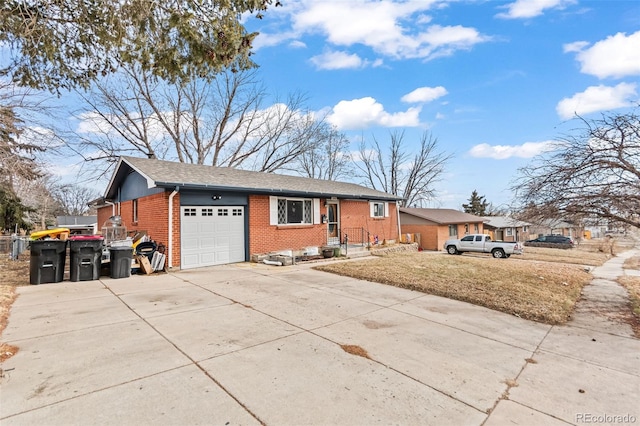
[385, 207]
[273, 210]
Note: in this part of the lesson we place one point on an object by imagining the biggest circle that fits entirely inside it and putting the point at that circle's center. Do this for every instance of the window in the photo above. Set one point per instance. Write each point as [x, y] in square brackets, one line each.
[294, 211]
[466, 228]
[524, 229]
[207, 212]
[223, 212]
[479, 237]
[190, 212]
[475, 228]
[467, 238]
[236, 212]
[134, 207]
[453, 231]
[378, 209]
[509, 232]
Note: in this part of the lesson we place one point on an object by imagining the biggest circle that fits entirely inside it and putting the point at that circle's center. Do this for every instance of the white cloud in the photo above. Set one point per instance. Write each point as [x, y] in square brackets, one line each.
[522, 9]
[337, 60]
[576, 46]
[598, 98]
[440, 116]
[424, 94]
[367, 112]
[297, 44]
[616, 56]
[502, 152]
[398, 30]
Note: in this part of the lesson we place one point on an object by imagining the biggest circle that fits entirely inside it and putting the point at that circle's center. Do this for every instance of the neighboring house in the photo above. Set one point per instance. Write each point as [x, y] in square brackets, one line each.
[435, 226]
[557, 227]
[215, 215]
[78, 224]
[505, 228]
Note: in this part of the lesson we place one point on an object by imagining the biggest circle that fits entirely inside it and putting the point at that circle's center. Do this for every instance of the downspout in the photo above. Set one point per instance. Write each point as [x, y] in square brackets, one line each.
[113, 207]
[170, 228]
[398, 214]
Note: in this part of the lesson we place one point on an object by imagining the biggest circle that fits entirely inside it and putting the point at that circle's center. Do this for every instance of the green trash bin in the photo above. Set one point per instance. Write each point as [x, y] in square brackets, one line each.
[85, 257]
[46, 264]
[120, 259]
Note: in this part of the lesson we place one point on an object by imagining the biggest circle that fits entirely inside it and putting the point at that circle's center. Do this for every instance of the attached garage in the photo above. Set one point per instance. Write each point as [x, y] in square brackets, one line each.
[211, 235]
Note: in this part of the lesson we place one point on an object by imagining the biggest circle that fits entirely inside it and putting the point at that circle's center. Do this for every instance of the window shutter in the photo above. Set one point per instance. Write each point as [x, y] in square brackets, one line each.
[273, 210]
[386, 209]
[316, 211]
[371, 207]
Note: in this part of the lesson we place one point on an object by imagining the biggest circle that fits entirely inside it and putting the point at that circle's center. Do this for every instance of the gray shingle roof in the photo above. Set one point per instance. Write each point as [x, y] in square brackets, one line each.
[167, 174]
[442, 216]
[504, 222]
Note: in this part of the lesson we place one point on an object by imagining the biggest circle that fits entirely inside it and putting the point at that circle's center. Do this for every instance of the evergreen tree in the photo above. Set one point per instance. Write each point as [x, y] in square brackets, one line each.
[477, 205]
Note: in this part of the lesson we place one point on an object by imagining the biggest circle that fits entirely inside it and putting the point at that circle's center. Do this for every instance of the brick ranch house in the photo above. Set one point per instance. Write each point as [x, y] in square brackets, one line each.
[216, 215]
[435, 226]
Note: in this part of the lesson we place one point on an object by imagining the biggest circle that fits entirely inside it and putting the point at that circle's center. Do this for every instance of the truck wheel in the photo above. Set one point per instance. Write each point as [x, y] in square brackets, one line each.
[498, 253]
[452, 250]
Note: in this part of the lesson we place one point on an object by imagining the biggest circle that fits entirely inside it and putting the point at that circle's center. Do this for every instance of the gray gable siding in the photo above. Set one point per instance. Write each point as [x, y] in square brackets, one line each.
[135, 186]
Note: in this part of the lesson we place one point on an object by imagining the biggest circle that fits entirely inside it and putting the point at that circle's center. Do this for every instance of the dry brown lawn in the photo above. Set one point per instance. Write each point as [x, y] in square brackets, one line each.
[578, 256]
[632, 284]
[539, 291]
[12, 273]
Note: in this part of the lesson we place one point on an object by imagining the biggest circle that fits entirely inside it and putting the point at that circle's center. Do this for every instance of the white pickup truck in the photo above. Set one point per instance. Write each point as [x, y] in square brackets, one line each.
[481, 243]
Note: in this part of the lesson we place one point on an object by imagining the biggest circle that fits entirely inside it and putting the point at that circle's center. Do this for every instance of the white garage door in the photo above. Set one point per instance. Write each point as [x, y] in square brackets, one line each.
[212, 235]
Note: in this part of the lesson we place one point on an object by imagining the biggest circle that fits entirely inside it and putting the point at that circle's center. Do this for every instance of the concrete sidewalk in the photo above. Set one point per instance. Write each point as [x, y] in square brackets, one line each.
[251, 344]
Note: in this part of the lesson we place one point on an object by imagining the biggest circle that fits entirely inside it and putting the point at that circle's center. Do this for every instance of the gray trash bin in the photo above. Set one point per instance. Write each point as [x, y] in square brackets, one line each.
[120, 259]
[46, 264]
[85, 257]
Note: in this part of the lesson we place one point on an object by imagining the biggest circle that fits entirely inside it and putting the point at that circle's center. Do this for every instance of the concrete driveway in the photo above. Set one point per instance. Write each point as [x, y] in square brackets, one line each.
[252, 344]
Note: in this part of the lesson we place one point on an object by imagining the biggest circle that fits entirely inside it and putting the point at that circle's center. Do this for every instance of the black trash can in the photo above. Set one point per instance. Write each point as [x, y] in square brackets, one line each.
[47, 261]
[120, 259]
[85, 257]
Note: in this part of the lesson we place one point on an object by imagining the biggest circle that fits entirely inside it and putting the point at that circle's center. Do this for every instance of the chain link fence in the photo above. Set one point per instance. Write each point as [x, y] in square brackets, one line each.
[13, 245]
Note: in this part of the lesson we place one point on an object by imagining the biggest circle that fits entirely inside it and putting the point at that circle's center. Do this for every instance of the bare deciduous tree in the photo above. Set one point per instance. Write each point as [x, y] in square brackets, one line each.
[73, 199]
[594, 174]
[330, 160]
[37, 194]
[221, 123]
[400, 173]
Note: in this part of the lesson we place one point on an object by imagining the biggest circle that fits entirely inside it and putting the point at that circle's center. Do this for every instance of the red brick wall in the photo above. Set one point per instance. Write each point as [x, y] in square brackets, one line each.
[356, 214]
[265, 238]
[428, 235]
[152, 217]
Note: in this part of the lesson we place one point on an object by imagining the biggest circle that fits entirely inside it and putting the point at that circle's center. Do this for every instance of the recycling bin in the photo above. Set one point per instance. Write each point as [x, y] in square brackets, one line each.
[120, 259]
[85, 257]
[46, 264]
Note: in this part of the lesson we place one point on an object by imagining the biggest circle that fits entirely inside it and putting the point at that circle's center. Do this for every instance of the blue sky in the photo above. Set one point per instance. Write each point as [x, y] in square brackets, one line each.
[493, 81]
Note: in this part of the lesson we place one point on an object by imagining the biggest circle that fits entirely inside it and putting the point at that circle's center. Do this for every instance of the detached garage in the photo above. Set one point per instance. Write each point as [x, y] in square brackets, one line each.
[210, 216]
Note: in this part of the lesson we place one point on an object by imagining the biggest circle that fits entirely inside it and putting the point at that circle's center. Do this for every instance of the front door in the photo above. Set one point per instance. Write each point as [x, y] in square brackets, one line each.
[333, 223]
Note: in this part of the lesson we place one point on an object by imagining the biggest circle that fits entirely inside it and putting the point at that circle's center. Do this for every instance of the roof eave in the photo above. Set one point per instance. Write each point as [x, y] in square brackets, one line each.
[273, 191]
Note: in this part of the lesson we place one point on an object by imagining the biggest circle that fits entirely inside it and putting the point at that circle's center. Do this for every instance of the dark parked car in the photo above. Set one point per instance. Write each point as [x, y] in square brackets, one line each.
[551, 240]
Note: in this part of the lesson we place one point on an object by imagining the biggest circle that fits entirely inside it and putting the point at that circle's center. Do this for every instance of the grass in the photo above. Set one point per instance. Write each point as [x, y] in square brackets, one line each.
[532, 290]
[12, 273]
[632, 284]
[587, 255]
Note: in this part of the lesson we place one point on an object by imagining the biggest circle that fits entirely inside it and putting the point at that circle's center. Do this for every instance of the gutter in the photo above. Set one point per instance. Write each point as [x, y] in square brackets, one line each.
[170, 228]
[277, 191]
